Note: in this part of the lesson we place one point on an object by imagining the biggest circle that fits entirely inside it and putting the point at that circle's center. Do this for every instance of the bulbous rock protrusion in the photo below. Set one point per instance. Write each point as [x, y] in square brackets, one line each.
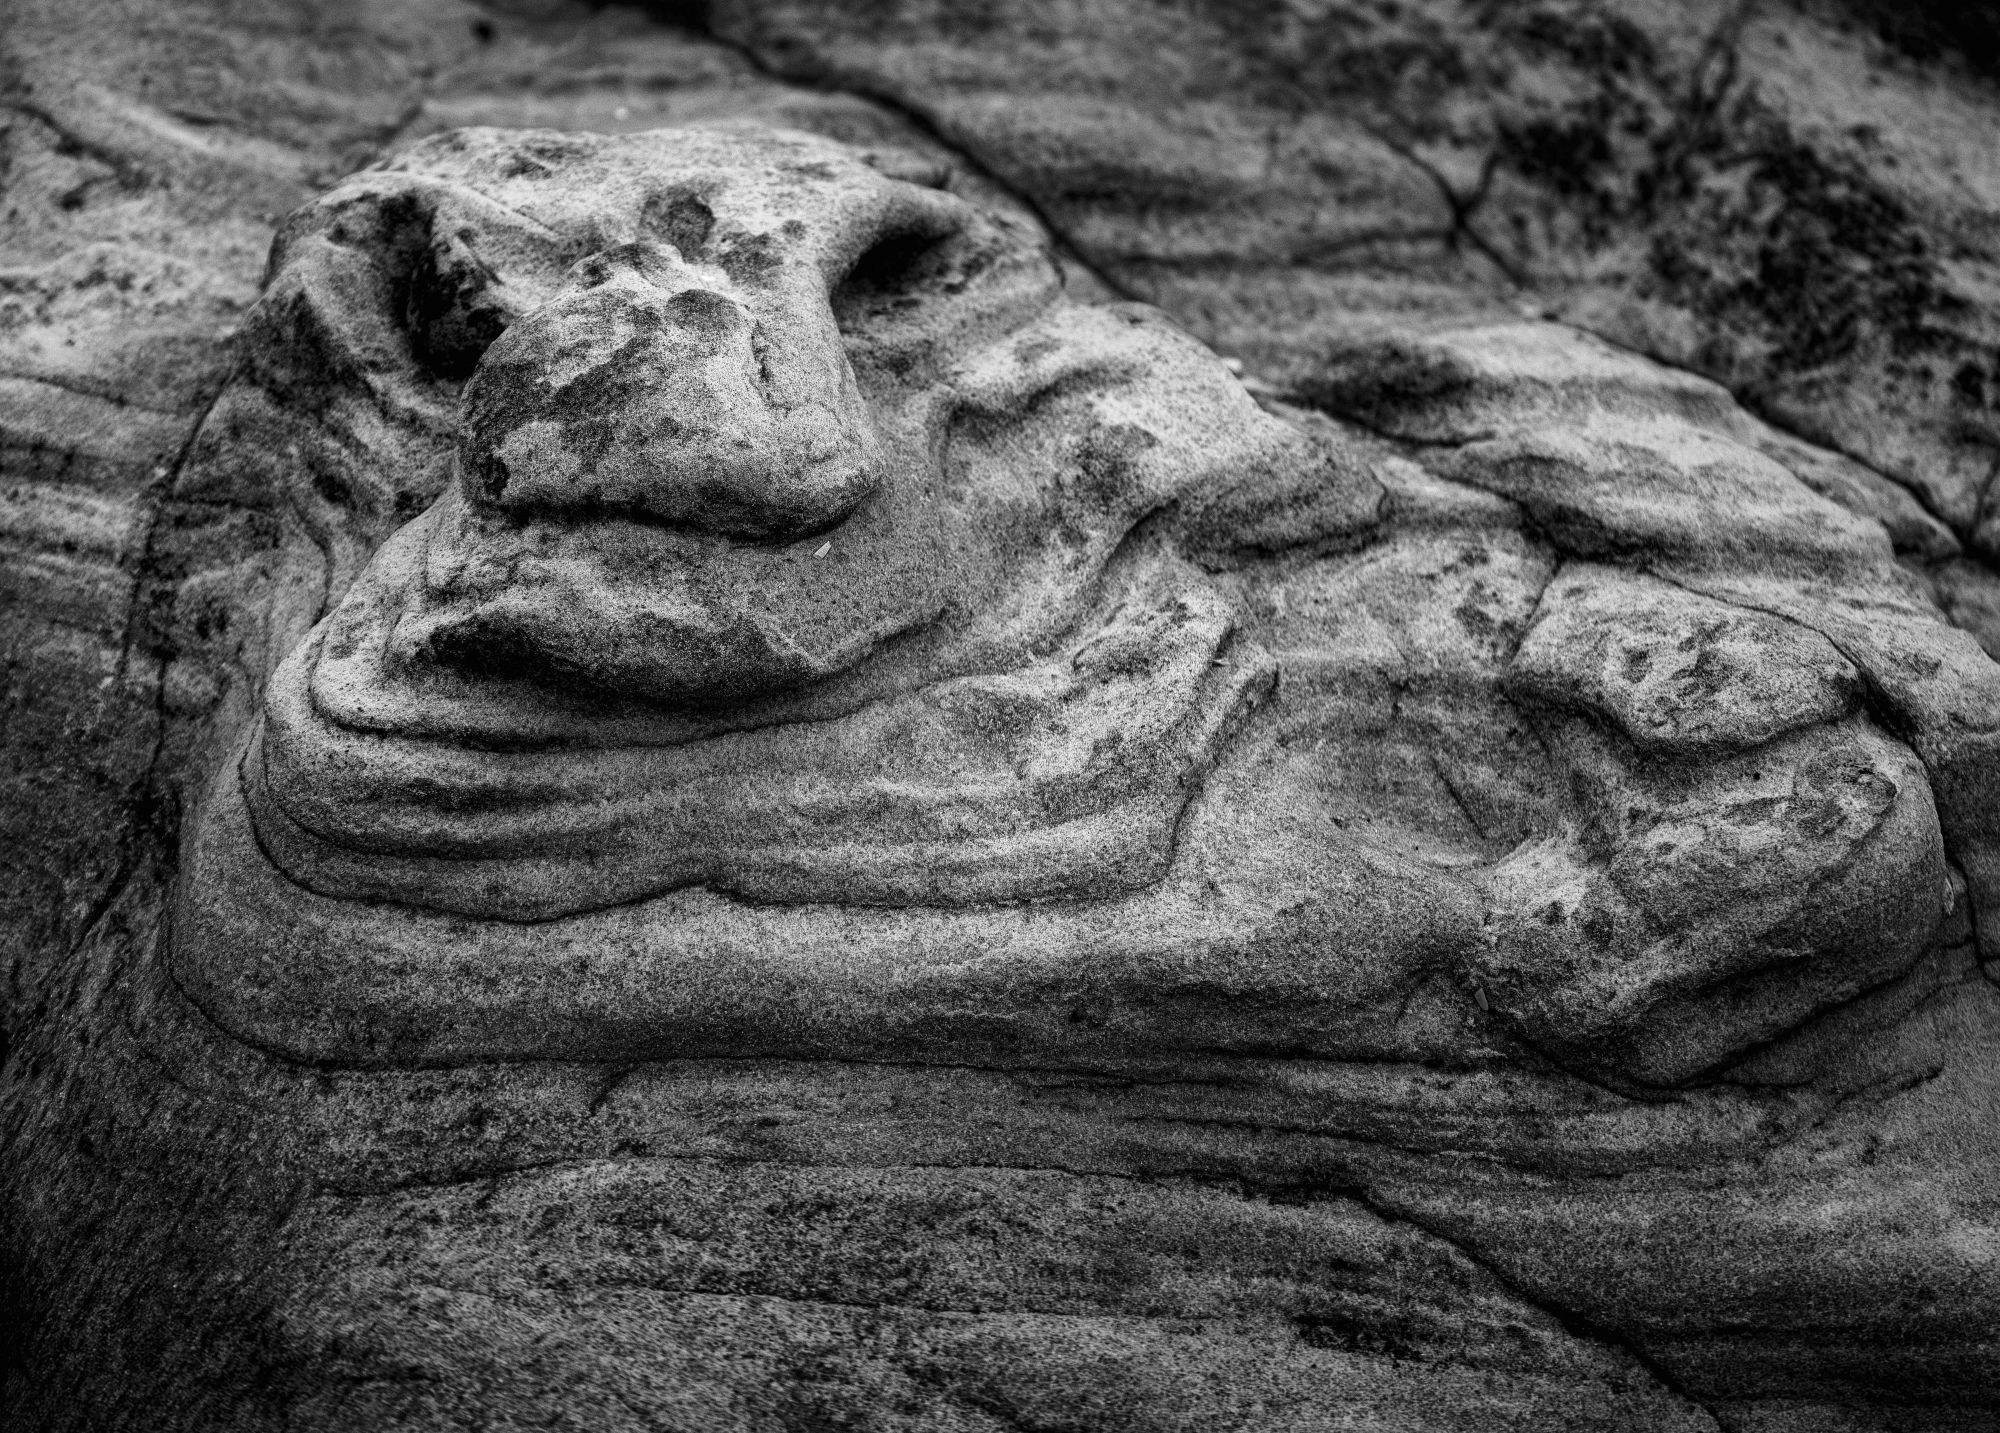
[1568, 694]
[653, 387]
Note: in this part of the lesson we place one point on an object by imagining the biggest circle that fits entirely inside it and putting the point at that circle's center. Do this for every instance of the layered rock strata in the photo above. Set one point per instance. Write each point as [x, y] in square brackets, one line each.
[1531, 982]
[1009, 648]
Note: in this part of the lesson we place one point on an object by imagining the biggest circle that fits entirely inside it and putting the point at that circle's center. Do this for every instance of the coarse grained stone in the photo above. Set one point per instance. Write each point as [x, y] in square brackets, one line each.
[1333, 1176]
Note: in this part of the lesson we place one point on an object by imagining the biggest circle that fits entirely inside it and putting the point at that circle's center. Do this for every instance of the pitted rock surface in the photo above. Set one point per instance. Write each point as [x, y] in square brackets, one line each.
[561, 689]
[685, 775]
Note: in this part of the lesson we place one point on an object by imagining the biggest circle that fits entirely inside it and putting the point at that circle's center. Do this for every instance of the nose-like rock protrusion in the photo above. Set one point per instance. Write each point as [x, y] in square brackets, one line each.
[650, 387]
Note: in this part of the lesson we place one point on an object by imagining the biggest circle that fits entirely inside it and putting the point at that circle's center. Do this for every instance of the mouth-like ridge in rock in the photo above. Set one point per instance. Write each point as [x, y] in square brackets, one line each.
[1061, 779]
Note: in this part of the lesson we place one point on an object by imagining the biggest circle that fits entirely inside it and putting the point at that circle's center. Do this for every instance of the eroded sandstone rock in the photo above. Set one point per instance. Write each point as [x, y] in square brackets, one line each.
[610, 664]
[1018, 885]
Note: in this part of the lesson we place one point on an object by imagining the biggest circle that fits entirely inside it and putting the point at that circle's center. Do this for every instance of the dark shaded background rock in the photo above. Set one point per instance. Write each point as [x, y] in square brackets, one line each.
[1777, 198]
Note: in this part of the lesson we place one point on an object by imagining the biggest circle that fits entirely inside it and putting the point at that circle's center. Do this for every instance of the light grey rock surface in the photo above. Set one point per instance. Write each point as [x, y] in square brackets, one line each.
[699, 765]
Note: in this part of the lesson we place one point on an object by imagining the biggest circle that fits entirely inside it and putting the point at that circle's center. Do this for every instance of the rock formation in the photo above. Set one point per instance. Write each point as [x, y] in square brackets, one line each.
[762, 800]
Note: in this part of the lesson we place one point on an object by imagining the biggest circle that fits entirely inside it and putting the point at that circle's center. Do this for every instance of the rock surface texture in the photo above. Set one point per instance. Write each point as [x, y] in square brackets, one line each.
[919, 717]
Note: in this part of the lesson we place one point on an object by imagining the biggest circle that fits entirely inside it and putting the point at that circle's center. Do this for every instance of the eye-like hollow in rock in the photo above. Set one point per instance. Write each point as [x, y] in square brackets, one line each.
[889, 272]
[681, 217]
[455, 308]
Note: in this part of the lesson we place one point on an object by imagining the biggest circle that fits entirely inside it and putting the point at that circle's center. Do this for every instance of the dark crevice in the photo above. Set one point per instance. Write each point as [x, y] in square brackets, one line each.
[802, 1300]
[605, 1091]
[1444, 780]
[1888, 1087]
[129, 172]
[1531, 1166]
[1313, 399]
[1751, 404]
[1710, 83]
[148, 831]
[1988, 969]
[1306, 255]
[491, 1175]
[82, 386]
[1461, 207]
[1578, 1325]
[1722, 1073]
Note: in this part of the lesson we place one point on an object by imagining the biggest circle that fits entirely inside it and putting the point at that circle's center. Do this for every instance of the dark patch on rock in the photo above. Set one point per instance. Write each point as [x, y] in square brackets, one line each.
[682, 218]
